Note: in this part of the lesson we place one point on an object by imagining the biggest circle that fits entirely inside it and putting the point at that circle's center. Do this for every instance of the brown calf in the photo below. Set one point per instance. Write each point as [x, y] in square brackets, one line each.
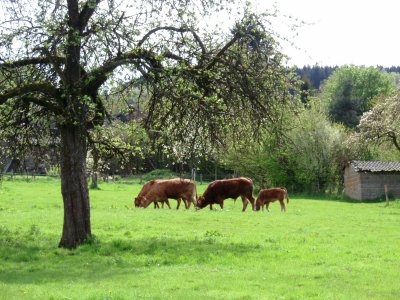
[266, 196]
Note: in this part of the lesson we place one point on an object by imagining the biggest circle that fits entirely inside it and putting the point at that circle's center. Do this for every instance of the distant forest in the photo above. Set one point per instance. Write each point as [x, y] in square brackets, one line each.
[317, 74]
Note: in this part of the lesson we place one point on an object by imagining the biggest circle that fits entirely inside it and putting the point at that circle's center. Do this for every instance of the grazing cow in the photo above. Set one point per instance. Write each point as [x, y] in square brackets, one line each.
[266, 196]
[176, 188]
[145, 189]
[219, 190]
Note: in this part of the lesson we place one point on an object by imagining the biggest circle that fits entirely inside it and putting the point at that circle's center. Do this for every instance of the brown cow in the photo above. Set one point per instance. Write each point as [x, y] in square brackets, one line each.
[266, 196]
[219, 190]
[176, 188]
[145, 189]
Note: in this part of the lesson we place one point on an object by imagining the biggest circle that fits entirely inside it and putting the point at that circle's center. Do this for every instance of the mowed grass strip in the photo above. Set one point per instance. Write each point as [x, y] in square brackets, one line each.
[319, 249]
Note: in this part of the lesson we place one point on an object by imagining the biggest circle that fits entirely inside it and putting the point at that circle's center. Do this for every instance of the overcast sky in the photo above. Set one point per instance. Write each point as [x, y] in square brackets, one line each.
[343, 31]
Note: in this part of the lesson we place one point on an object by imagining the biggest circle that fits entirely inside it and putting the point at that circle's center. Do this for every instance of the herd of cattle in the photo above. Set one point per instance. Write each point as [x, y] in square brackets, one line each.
[160, 190]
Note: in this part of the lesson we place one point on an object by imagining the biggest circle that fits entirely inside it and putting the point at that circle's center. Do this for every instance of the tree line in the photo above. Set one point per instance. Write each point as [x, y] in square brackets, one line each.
[314, 76]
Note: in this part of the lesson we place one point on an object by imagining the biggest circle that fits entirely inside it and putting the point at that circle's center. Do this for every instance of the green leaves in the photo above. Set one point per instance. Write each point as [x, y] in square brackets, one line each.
[121, 147]
[350, 90]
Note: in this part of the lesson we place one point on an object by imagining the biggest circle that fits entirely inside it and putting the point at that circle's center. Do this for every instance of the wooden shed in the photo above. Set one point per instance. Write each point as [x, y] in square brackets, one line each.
[365, 180]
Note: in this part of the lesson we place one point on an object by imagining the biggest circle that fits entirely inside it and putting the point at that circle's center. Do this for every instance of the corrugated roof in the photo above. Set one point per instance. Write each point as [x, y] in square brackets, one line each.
[376, 166]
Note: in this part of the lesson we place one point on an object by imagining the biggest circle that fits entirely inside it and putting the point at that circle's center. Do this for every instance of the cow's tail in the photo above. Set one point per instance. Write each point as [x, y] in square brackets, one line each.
[287, 196]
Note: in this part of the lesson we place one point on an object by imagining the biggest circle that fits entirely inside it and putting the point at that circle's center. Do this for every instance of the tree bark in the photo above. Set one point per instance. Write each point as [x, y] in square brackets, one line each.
[74, 187]
[94, 184]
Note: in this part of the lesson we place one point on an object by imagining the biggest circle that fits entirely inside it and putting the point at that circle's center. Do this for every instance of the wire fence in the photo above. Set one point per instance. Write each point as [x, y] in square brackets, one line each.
[200, 178]
[28, 176]
[31, 176]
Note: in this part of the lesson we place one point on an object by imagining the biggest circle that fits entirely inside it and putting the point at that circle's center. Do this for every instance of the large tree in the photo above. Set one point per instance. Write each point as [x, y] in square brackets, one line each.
[58, 57]
[350, 90]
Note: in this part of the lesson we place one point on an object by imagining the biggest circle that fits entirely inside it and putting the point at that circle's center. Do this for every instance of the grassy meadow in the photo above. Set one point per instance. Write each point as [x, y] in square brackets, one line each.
[318, 249]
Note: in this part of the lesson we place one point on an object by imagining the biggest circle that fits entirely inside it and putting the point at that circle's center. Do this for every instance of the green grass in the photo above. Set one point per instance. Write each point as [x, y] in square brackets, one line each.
[319, 249]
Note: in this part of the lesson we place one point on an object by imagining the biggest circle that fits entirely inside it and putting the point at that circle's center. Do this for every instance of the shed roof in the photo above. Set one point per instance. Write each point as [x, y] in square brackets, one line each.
[376, 166]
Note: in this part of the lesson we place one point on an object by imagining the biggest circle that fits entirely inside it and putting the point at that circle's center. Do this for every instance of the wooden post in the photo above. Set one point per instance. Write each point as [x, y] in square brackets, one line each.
[386, 194]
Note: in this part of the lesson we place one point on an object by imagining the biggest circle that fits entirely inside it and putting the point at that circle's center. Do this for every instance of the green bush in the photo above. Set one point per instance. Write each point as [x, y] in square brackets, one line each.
[159, 174]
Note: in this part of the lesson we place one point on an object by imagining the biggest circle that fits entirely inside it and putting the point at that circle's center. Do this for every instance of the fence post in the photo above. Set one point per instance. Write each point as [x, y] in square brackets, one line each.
[193, 174]
[386, 194]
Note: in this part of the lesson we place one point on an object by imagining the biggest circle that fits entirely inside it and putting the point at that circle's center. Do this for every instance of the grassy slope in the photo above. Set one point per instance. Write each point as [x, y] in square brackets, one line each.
[318, 249]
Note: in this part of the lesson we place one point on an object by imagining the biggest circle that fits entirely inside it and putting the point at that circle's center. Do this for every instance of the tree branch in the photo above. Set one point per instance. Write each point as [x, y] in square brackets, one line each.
[32, 61]
[51, 106]
[86, 13]
[169, 54]
[98, 76]
[222, 51]
[392, 135]
[39, 87]
[170, 28]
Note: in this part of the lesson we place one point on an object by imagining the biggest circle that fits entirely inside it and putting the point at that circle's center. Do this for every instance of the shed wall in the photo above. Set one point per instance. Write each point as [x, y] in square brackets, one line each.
[352, 183]
[372, 184]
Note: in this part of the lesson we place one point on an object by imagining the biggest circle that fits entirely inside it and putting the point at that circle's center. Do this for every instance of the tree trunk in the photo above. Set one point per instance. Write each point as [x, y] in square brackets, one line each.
[94, 185]
[74, 187]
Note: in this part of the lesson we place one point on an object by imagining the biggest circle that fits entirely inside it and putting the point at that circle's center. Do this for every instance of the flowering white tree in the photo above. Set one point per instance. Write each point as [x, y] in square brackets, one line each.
[382, 122]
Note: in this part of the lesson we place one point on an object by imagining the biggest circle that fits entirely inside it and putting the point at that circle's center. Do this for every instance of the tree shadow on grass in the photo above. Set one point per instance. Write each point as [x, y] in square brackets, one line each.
[27, 263]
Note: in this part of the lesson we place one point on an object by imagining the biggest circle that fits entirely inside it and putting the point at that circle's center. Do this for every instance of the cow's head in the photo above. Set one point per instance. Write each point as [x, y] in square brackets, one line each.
[140, 201]
[144, 202]
[137, 201]
[257, 206]
[200, 202]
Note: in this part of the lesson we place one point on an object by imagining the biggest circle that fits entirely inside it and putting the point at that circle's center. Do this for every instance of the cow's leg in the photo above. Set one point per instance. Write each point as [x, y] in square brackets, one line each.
[210, 206]
[156, 204]
[187, 203]
[245, 202]
[268, 206]
[220, 202]
[251, 199]
[283, 208]
[167, 202]
[179, 203]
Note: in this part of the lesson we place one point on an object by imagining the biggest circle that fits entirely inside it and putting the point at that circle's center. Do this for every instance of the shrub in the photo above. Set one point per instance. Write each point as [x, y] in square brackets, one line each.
[159, 173]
